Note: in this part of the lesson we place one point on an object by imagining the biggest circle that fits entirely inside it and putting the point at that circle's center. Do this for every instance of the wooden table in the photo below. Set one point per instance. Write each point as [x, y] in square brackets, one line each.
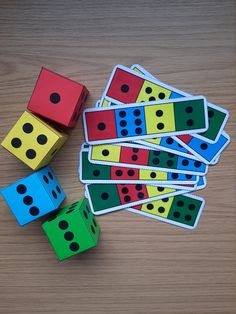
[141, 266]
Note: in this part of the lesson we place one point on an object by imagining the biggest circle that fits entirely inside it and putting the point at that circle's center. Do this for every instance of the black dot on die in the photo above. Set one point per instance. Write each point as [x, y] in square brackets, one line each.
[45, 178]
[74, 246]
[150, 206]
[124, 132]
[85, 214]
[104, 196]
[21, 189]
[159, 113]
[28, 200]
[169, 140]
[105, 152]
[197, 164]
[130, 173]
[94, 222]
[124, 88]
[123, 123]
[125, 190]
[161, 95]
[92, 228]
[34, 211]
[50, 175]
[69, 236]
[189, 109]
[134, 157]
[191, 206]
[137, 112]
[63, 224]
[148, 90]
[27, 128]
[174, 175]
[160, 126]
[30, 153]
[185, 162]
[204, 146]
[127, 198]
[190, 122]
[138, 130]
[54, 194]
[153, 175]
[55, 98]
[58, 189]
[101, 126]
[119, 173]
[122, 114]
[187, 217]
[180, 203]
[161, 209]
[176, 214]
[96, 173]
[16, 142]
[42, 139]
[210, 113]
[87, 208]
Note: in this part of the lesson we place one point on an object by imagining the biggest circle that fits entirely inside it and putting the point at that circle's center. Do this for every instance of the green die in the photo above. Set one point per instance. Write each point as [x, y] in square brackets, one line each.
[189, 115]
[184, 210]
[162, 159]
[72, 230]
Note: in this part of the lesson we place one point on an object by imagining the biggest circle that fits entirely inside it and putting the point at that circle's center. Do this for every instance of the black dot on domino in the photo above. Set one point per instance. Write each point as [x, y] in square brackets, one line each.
[101, 126]
[185, 162]
[104, 196]
[55, 98]
[191, 206]
[197, 164]
[127, 198]
[148, 90]
[124, 132]
[153, 175]
[122, 114]
[123, 123]
[174, 175]
[160, 126]
[159, 113]
[152, 98]
[169, 140]
[210, 113]
[124, 190]
[137, 112]
[130, 173]
[105, 152]
[190, 122]
[150, 206]
[134, 157]
[187, 217]
[160, 189]
[96, 172]
[176, 214]
[161, 209]
[204, 146]
[161, 95]
[180, 203]
[124, 88]
[189, 109]
[118, 173]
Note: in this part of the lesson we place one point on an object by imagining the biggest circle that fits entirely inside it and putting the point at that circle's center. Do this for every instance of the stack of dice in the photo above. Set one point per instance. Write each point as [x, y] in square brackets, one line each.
[35, 139]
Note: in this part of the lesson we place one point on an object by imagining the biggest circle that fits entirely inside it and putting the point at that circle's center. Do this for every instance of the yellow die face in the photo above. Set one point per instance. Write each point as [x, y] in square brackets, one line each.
[159, 208]
[106, 152]
[156, 191]
[151, 92]
[152, 175]
[160, 118]
[33, 141]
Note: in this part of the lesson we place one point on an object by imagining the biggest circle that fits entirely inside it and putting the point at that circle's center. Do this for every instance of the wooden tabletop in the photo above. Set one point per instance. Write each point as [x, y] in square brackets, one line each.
[140, 266]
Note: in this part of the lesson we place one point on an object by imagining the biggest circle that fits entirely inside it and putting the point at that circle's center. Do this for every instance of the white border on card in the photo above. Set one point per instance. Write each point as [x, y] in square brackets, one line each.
[166, 220]
[141, 105]
[105, 162]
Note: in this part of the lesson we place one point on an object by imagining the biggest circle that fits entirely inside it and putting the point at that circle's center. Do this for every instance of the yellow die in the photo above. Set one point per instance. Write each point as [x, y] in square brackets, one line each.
[106, 152]
[158, 208]
[160, 118]
[151, 92]
[33, 141]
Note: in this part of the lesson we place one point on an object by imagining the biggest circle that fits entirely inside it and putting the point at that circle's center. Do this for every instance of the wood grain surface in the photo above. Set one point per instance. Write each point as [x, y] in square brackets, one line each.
[140, 266]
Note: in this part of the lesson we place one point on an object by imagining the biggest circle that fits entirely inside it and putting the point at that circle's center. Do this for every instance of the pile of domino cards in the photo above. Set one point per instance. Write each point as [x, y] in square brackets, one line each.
[148, 147]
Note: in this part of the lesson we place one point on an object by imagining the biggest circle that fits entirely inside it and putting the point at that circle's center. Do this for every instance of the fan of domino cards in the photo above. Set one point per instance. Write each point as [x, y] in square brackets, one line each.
[148, 147]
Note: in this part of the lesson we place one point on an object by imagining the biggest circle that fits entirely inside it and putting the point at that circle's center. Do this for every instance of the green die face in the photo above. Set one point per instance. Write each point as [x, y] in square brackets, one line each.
[184, 210]
[92, 171]
[162, 159]
[189, 115]
[103, 196]
[216, 119]
[73, 230]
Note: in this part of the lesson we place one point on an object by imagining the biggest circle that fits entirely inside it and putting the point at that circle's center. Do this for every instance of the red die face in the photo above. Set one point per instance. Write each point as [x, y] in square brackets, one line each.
[129, 193]
[57, 98]
[101, 126]
[136, 156]
[122, 173]
[125, 86]
[185, 138]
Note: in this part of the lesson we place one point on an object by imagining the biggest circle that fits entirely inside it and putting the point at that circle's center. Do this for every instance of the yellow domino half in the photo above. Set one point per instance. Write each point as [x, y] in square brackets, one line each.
[106, 152]
[149, 174]
[144, 94]
[159, 208]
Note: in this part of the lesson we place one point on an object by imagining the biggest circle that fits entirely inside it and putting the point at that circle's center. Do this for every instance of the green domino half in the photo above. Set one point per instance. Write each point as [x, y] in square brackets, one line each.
[162, 159]
[91, 171]
[189, 115]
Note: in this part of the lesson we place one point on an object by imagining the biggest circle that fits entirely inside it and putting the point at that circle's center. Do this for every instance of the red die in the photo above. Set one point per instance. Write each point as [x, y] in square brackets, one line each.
[130, 193]
[133, 155]
[100, 125]
[124, 86]
[185, 138]
[122, 173]
[58, 98]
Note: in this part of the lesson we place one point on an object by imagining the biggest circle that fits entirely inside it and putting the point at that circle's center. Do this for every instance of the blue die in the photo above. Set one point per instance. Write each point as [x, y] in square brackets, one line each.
[34, 196]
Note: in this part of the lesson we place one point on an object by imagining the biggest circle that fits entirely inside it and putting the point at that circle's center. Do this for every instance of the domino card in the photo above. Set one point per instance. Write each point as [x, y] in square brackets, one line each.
[142, 157]
[181, 210]
[105, 198]
[145, 120]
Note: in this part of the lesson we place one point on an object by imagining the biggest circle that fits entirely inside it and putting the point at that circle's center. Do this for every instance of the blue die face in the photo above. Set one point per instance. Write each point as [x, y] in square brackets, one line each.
[188, 164]
[130, 122]
[28, 198]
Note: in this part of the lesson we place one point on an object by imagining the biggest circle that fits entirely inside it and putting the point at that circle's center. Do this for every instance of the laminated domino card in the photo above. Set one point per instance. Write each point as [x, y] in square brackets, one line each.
[145, 120]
